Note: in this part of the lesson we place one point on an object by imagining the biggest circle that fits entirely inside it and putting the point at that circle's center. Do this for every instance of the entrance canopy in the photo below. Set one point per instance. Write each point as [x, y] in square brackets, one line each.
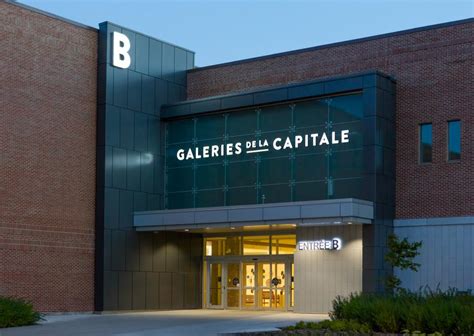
[275, 215]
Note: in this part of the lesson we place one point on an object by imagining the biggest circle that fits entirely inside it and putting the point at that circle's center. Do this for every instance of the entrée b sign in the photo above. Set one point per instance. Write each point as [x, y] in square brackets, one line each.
[323, 244]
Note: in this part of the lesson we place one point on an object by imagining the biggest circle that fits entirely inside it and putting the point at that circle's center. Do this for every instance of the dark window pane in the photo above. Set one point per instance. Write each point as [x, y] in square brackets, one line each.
[454, 140]
[426, 143]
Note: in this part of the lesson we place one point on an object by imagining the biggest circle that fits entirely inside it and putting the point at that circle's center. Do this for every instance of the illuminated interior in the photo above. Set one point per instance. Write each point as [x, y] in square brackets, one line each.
[246, 271]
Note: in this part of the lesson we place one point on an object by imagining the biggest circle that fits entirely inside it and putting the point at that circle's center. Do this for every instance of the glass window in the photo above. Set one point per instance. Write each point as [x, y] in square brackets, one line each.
[283, 244]
[214, 247]
[232, 246]
[426, 143]
[256, 245]
[454, 140]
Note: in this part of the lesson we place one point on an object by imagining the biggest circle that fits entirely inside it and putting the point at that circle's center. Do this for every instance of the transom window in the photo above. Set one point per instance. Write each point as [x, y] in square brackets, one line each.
[250, 245]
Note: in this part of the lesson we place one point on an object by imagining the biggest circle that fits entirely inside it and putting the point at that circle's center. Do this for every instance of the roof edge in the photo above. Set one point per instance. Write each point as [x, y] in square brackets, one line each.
[337, 44]
[50, 15]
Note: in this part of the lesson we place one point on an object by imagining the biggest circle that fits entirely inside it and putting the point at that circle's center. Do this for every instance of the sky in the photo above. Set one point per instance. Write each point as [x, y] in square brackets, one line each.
[226, 30]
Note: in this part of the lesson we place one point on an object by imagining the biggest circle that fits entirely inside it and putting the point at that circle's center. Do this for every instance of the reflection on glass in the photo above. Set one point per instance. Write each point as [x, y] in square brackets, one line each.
[248, 292]
[215, 284]
[283, 244]
[256, 245]
[454, 140]
[426, 143]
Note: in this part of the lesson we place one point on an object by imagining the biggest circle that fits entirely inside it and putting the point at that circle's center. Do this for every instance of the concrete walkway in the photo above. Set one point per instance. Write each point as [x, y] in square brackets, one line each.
[163, 323]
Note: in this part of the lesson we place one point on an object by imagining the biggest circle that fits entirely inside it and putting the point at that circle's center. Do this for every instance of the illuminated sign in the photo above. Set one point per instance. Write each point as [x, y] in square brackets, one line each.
[263, 145]
[323, 244]
[120, 48]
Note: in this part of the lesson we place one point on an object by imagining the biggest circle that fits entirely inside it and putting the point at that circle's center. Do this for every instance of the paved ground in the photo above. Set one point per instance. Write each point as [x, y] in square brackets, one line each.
[164, 323]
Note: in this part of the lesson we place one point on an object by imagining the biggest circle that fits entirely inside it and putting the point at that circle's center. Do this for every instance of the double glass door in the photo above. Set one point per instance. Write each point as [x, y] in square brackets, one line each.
[251, 285]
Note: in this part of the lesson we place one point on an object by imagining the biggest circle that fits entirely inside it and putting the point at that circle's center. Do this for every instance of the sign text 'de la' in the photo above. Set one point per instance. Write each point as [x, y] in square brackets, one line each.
[264, 145]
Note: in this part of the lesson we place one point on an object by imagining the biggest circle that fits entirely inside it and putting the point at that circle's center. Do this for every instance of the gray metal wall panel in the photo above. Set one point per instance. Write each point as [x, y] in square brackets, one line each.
[322, 275]
[165, 290]
[111, 290]
[152, 290]
[125, 280]
[177, 299]
[446, 256]
[139, 290]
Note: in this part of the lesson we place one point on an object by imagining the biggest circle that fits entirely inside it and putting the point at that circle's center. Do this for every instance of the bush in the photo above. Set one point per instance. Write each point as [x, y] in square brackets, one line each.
[17, 312]
[332, 325]
[426, 311]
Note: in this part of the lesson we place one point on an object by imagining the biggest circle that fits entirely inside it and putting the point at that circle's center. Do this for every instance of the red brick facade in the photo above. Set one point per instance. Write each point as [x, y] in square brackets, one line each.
[47, 160]
[435, 80]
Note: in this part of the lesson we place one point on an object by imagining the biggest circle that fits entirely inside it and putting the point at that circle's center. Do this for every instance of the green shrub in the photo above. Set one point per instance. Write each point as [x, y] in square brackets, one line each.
[17, 312]
[332, 325]
[449, 312]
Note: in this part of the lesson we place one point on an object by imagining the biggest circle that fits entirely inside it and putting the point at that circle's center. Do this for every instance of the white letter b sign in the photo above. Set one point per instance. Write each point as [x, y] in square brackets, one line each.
[121, 46]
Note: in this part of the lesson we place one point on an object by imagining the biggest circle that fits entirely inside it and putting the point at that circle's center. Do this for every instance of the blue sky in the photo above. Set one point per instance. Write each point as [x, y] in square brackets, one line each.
[223, 31]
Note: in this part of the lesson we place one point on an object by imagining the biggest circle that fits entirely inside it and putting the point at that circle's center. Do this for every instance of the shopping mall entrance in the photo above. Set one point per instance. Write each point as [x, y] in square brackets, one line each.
[246, 271]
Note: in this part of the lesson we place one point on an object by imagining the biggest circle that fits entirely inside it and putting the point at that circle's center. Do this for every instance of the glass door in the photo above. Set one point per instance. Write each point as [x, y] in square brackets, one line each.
[278, 288]
[264, 285]
[215, 285]
[248, 285]
[232, 286]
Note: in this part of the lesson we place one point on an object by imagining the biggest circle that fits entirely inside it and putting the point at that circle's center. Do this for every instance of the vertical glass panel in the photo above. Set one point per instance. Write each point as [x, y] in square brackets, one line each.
[454, 140]
[310, 191]
[283, 244]
[232, 246]
[214, 246]
[180, 179]
[346, 108]
[264, 283]
[292, 286]
[242, 122]
[215, 284]
[210, 198]
[275, 171]
[426, 143]
[209, 127]
[278, 286]
[310, 167]
[310, 113]
[346, 164]
[248, 292]
[275, 193]
[238, 196]
[277, 117]
[233, 285]
[242, 173]
[233, 275]
[209, 176]
[256, 245]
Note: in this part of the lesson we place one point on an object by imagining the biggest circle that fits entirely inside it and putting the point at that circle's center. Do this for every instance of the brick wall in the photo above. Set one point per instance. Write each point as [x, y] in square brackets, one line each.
[434, 73]
[47, 160]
